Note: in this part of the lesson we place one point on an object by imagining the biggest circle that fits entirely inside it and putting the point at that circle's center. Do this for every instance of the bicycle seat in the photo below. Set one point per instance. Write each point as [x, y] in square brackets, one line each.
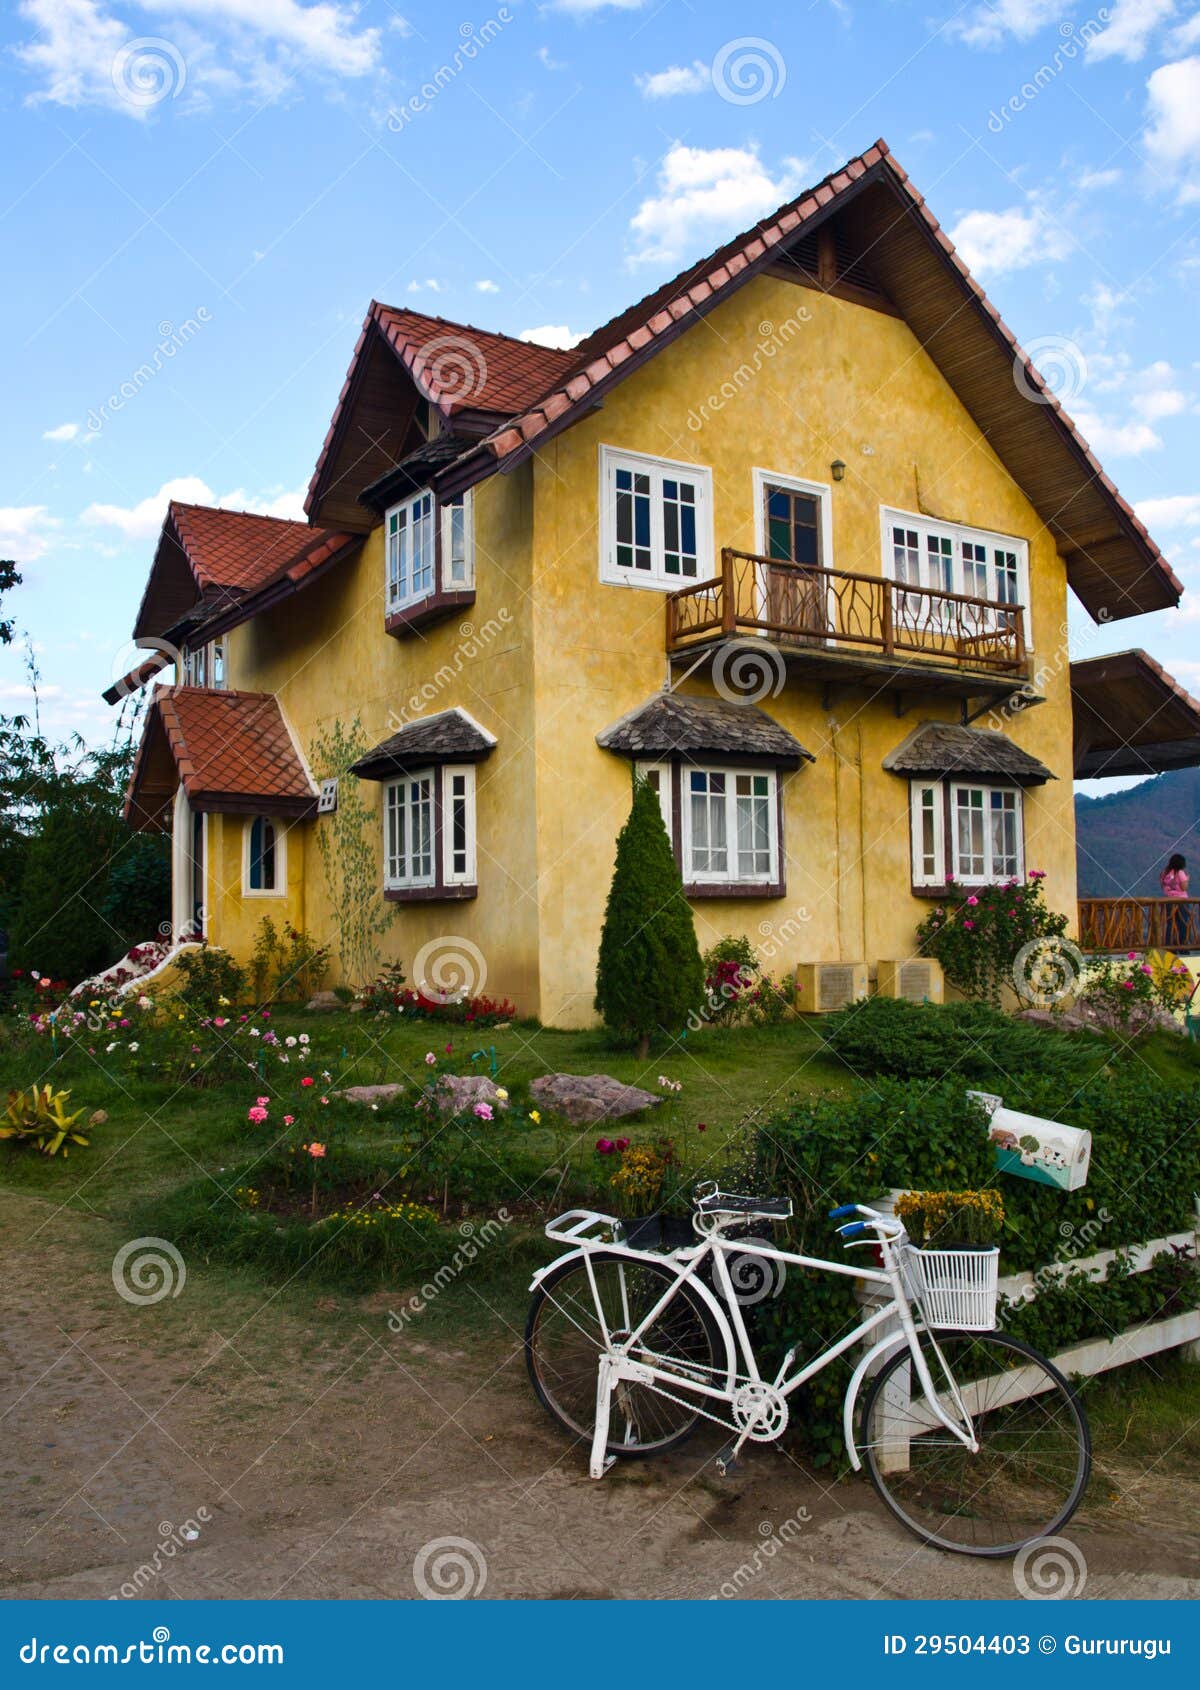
[757, 1208]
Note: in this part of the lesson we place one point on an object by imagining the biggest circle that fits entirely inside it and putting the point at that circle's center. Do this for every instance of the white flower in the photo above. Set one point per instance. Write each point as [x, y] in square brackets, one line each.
[290, 1040]
[304, 1038]
[254, 1032]
[112, 1046]
[134, 1045]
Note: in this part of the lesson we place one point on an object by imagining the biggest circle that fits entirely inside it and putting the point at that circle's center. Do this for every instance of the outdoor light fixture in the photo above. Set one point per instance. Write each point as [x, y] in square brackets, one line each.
[838, 469]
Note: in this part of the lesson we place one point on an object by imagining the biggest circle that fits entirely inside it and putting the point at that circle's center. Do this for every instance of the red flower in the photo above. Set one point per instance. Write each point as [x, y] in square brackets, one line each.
[622, 1144]
[306, 1081]
[701, 1126]
[605, 1146]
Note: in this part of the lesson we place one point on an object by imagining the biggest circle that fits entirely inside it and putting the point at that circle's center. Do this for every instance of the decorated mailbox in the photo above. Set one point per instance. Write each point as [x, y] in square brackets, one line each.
[1037, 1149]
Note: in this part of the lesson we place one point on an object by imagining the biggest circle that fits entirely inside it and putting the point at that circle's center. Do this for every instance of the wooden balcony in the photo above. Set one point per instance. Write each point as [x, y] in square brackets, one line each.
[1139, 924]
[837, 624]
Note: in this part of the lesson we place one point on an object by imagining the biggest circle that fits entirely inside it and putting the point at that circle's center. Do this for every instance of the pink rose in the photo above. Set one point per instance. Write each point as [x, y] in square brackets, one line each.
[605, 1146]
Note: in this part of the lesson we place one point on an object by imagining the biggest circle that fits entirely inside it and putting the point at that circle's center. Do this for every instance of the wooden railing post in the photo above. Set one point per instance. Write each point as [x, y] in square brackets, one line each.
[728, 593]
[887, 617]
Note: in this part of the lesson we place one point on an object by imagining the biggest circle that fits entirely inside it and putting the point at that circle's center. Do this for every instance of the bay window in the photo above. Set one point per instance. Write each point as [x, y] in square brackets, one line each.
[409, 537]
[973, 833]
[429, 833]
[730, 827]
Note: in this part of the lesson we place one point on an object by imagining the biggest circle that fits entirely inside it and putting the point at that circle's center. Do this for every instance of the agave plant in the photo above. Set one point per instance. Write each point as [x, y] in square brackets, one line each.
[39, 1116]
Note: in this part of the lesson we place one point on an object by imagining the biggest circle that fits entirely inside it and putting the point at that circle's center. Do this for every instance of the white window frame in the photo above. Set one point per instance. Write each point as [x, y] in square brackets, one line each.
[819, 490]
[958, 534]
[991, 876]
[394, 599]
[465, 772]
[443, 564]
[279, 890]
[200, 666]
[407, 880]
[662, 783]
[613, 458]
[935, 792]
[731, 876]
[944, 803]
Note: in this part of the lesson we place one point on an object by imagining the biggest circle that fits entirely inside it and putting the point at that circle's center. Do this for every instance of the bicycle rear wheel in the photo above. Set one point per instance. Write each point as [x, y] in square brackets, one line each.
[1030, 1471]
[564, 1342]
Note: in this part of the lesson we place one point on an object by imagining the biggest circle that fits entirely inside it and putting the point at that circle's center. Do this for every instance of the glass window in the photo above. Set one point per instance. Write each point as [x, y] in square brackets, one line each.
[929, 859]
[793, 526]
[458, 544]
[730, 821]
[458, 822]
[948, 558]
[655, 527]
[409, 542]
[264, 867]
[987, 833]
[657, 776]
[408, 831]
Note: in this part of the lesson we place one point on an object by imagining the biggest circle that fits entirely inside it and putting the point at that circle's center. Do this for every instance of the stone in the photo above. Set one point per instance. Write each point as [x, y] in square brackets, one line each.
[372, 1094]
[585, 1098]
[323, 1000]
[457, 1094]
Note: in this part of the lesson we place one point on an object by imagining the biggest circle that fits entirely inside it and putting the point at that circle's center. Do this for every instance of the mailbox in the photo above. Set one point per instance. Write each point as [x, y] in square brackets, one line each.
[1033, 1148]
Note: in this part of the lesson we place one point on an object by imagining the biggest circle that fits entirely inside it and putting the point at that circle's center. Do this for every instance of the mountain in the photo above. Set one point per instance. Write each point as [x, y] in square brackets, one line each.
[1123, 840]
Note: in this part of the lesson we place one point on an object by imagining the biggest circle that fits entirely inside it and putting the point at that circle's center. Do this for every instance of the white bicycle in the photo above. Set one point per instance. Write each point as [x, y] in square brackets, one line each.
[973, 1440]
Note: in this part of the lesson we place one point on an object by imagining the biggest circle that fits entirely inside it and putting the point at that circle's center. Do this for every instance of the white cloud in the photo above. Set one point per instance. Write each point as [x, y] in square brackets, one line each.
[64, 431]
[1173, 135]
[1178, 510]
[1093, 179]
[993, 242]
[430, 284]
[547, 60]
[552, 334]
[1154, 393]
[143, 520]
[695, 78]
[485, 285]
[24, 532]
[1115, 440]
[704, 195]
[78, 51]
[989, 24]
[1131, 23]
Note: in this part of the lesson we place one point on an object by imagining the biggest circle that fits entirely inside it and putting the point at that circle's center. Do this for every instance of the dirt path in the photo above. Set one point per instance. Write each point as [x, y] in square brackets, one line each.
[321, 1454]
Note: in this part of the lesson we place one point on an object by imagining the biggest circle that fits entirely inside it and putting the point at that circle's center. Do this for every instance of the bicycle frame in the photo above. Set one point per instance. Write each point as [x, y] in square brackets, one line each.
[578, 1228]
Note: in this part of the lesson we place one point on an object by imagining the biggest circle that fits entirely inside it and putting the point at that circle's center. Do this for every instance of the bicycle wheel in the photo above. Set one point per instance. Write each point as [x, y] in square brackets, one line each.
[563, 1344]
[1031, 1468]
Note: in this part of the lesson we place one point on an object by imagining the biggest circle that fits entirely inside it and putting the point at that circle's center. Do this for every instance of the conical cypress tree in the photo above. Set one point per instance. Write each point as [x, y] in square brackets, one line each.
[649, 975]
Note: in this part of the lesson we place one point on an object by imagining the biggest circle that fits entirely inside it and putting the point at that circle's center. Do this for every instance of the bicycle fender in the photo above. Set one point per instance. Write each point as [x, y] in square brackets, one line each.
[698, 1285]
[875, 1353]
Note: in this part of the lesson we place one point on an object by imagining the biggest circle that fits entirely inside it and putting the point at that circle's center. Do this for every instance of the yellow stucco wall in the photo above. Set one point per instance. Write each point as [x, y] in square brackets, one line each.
[552, 656]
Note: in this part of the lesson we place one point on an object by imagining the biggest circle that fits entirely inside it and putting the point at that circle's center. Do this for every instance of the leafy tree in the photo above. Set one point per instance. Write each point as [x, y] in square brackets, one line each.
[649, 975]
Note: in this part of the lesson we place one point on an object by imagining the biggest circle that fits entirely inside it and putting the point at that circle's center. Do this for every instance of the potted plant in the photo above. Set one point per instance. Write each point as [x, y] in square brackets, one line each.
[953, 1220]
[646, 1195]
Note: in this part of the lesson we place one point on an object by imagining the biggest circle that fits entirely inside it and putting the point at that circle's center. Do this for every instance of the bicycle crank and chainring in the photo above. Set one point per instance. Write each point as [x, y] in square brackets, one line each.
[760, 1412]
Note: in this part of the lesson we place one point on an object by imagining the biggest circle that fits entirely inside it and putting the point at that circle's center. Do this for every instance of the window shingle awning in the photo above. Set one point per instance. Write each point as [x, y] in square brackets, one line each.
[452, 736]
[675, 725]
[232, 752]
[943, 748]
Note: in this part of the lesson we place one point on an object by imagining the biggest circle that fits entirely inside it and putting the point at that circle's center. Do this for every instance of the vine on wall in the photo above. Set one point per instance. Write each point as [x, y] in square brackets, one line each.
[352, 881]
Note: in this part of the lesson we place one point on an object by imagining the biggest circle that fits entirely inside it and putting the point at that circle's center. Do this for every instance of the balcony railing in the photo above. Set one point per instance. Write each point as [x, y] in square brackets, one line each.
[1138, 924]
[834, 609]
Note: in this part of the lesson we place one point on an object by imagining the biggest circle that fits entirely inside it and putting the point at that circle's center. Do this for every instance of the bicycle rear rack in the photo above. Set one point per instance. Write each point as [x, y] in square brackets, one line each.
[584, 1226]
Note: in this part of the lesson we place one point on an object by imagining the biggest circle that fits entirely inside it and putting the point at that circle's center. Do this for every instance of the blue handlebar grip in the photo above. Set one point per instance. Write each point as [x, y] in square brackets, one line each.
[852, 1229]
[846, 1209]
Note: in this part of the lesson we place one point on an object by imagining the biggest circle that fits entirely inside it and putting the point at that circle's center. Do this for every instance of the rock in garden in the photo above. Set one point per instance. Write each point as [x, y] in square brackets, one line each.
[323, 1000]
[457, 1094]
[371, 1094]
[584, 1098]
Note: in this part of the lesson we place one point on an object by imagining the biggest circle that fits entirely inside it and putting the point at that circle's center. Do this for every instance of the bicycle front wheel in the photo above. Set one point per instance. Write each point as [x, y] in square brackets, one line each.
[1031, 1468]
[564, 1341]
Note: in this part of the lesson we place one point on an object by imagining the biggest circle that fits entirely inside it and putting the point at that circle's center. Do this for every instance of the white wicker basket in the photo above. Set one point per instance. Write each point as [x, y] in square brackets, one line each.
[955, 1288]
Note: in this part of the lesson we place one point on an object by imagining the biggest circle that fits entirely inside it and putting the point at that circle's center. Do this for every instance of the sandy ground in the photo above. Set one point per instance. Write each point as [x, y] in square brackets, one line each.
[319, 1454]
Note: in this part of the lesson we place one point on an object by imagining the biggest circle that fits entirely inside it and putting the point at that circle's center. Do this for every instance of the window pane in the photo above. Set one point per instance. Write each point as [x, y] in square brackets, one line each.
[928, 839]
[710, 845]
[1004, 834]
[970, 861]
[753, 820]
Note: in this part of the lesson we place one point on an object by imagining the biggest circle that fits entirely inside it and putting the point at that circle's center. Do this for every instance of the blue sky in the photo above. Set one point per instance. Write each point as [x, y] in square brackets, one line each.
[217, 188]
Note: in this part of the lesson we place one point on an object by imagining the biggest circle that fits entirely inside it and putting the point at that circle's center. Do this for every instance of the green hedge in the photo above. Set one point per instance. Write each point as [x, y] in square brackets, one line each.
[931, 1136]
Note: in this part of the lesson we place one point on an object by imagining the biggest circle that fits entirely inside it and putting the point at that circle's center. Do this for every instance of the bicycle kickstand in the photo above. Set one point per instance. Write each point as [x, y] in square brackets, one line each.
[601, 1461]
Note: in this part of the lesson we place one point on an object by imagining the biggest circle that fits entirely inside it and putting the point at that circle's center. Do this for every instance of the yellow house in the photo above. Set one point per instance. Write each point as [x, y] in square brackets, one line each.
[794, 535]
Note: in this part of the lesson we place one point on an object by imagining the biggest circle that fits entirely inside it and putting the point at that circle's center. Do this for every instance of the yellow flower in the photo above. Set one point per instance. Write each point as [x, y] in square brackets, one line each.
[535, 1115]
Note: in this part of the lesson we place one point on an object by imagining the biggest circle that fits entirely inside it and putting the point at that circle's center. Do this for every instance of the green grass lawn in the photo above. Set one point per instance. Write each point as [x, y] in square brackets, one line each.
[159, 1135]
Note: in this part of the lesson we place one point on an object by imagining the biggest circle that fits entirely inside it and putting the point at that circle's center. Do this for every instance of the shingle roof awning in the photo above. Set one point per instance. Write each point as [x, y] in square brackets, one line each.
[942, 748]
[678, 725]
[452, 736]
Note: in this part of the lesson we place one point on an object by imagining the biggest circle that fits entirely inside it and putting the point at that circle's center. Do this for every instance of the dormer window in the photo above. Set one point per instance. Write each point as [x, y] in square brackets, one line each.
[204, 666]
[429, 551]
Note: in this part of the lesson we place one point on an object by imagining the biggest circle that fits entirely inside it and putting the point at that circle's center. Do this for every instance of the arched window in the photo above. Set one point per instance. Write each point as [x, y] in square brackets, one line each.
[264, 860]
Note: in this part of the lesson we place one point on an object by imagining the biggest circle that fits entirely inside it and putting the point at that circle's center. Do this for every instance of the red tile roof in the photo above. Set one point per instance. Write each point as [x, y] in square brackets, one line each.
[232, 751]
[136, 677]
[459, 367]
[244, 551]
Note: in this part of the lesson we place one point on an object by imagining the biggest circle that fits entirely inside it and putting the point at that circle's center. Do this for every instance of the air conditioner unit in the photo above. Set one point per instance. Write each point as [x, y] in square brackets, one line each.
[824, 986]
[917, 978]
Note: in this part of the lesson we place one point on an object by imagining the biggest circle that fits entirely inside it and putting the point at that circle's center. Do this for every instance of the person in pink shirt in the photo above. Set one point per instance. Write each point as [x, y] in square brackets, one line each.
[1174, 883]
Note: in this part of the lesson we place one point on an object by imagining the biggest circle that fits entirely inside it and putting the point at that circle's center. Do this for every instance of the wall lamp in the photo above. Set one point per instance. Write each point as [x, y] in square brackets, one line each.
[838, 470]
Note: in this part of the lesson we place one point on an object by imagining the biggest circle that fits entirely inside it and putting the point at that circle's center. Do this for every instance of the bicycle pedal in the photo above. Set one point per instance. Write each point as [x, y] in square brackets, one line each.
[727, 1464]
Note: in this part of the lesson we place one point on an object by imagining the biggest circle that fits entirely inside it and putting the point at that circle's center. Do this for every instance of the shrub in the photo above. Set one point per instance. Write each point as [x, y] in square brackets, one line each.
[39, 1117]
[212, 980]
[971, 1042]
[649, 977]
[288, 963]
[977, 932]
[1134, 994]
[137, 899]
[736, 989]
